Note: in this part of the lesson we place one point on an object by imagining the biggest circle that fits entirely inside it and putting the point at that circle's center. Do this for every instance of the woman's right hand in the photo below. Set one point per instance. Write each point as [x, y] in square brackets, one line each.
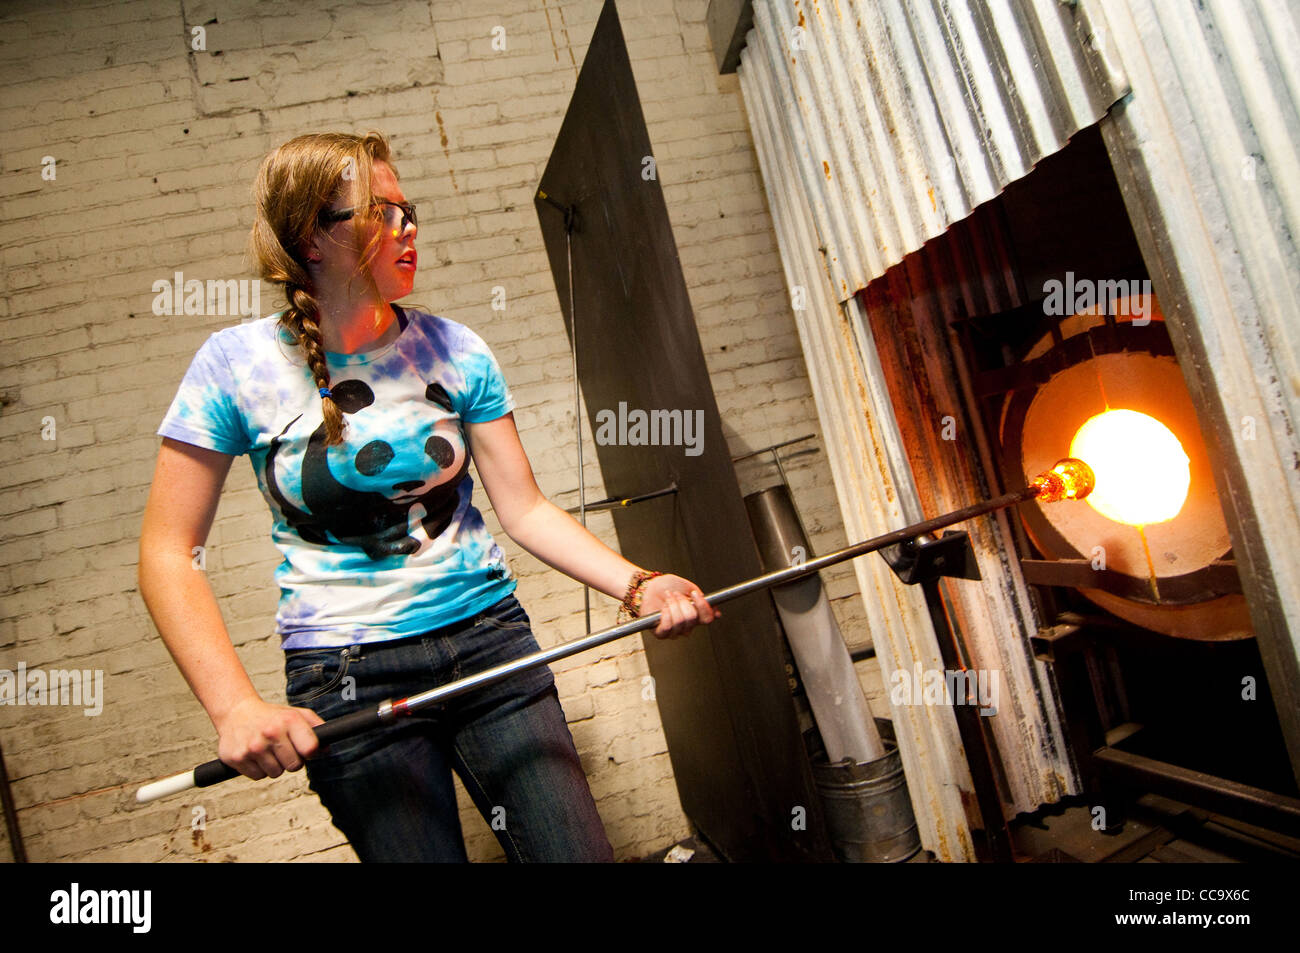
[261, 740]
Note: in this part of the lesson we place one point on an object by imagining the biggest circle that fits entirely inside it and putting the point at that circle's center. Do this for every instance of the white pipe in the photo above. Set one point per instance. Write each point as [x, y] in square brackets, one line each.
[838, 703]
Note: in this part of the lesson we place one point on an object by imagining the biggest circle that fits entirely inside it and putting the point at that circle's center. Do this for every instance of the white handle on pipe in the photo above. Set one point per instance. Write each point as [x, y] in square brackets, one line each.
[158, 789]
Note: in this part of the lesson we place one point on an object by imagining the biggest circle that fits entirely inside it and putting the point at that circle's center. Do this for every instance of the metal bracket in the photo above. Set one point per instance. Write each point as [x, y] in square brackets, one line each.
[927, 558]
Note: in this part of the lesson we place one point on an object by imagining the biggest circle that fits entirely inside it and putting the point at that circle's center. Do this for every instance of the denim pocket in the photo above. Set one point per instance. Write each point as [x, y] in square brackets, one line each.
[506, 616]
[309, 674]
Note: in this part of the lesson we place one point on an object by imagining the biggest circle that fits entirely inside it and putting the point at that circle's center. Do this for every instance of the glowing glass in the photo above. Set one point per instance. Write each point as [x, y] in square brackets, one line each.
[1142, 473]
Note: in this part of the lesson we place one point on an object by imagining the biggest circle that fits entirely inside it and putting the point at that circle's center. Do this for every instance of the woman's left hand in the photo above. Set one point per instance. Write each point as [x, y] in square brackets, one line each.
[681, 604]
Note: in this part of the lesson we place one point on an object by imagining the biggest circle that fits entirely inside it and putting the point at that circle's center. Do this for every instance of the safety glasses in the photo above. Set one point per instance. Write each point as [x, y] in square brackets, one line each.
[329, 216]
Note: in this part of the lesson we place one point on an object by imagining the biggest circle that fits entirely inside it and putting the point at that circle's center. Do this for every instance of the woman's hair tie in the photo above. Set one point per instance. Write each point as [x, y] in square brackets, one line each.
[325, 392]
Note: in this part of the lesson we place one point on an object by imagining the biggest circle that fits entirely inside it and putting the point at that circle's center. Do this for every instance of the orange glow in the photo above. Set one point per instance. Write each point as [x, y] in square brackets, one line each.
[1070, 479]
[1141, 469]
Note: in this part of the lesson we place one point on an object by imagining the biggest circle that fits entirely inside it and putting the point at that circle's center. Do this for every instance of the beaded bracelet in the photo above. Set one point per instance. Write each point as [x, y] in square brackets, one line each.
[631, 607]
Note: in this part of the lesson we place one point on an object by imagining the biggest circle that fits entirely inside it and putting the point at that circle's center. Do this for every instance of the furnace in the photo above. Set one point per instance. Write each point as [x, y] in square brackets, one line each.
[1004, 226]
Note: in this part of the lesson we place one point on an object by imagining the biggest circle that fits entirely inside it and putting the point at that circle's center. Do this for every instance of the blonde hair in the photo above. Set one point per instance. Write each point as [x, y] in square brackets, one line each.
[294, 184]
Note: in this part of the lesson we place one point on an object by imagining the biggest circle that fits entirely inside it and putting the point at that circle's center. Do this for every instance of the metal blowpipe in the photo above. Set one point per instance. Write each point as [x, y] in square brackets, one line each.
[1070, 479]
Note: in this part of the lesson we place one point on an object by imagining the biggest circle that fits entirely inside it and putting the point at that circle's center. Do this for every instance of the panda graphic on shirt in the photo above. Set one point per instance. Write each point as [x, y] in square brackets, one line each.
[379, 535]
[396, 467]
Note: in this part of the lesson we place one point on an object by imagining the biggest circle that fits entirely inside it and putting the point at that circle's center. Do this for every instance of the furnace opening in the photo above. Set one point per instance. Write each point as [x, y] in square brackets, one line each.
[1142, 471]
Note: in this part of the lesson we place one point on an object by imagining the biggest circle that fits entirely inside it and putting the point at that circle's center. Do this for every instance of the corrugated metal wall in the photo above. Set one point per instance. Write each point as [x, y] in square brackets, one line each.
[898, 118]
[847, 384]
[878, 124]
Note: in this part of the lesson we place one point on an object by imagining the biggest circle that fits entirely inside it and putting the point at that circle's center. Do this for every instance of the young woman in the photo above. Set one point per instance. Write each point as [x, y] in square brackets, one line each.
[359, 418]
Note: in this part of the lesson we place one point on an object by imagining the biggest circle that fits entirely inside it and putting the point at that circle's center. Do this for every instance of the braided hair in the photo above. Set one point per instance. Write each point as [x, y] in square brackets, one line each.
[293, 185]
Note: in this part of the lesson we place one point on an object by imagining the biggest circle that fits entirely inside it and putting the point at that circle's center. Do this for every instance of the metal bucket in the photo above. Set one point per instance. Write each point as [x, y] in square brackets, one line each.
[868, 814]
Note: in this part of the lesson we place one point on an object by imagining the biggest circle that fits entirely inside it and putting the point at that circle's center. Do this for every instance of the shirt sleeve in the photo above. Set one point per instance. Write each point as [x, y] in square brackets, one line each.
[486, 395]
[204, 412]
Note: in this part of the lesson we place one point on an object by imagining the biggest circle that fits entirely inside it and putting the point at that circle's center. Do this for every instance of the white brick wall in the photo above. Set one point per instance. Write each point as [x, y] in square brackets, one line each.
[155, 148]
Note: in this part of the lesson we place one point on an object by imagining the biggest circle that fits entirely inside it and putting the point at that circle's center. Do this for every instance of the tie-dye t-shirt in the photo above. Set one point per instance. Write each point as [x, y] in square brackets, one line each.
[379, 536]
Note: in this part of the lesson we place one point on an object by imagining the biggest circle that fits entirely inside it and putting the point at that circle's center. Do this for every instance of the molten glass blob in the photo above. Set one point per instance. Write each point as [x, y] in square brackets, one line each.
[1142, 472]
[1070, 479]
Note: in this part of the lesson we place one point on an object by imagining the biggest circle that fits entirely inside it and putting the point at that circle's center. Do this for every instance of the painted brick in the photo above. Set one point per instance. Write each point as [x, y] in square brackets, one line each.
[80, 255]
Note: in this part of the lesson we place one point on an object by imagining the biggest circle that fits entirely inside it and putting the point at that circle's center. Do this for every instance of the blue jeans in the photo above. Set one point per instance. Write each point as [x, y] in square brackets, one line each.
[390, 790]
